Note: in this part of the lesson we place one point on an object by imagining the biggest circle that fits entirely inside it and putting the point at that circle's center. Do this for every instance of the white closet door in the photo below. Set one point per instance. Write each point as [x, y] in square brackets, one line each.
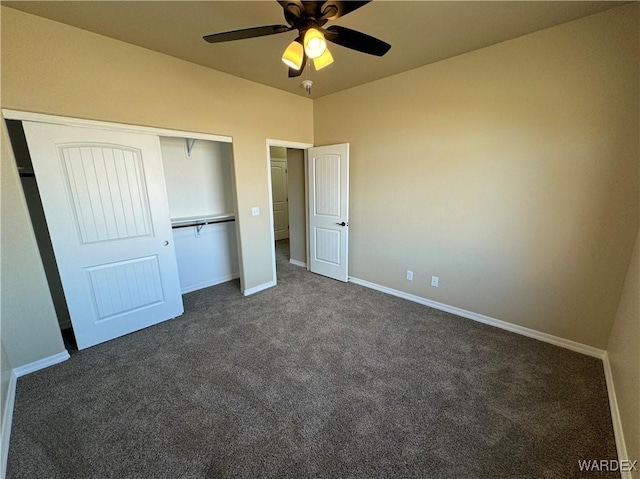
[104, 199]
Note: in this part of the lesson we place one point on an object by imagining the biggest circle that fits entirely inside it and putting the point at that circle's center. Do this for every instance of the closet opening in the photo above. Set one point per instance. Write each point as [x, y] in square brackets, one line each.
[200, 191]
[200, 196]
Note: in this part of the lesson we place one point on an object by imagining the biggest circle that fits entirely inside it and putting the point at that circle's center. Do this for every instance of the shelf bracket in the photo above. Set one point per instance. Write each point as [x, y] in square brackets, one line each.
[188, 144]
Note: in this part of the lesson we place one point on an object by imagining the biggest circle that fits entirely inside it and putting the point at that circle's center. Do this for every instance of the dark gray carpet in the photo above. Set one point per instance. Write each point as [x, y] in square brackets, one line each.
[313, 378]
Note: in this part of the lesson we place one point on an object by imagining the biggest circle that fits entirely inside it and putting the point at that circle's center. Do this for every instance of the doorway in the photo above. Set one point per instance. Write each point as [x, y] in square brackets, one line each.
[288, 205]
[322, 204]
[287, 191]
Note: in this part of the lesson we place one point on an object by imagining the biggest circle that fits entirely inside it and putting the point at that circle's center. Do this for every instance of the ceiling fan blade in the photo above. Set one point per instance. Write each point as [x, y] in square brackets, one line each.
[293, 10]
[296, 73]
[356, 40]
[333, 9]
[291, 5]
[246, 33]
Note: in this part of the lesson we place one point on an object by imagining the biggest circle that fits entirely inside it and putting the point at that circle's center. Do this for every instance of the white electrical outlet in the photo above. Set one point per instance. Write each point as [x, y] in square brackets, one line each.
[434, 281]
[410, 275]
[255, 211]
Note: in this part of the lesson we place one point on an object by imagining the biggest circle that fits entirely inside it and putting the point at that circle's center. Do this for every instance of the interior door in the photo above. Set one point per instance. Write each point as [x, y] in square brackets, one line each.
[105, 202]
[328, 174]
[280, 199]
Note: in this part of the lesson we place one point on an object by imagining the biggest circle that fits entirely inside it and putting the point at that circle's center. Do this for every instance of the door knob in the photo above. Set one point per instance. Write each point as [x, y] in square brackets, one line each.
[166, 243]
[343, 224]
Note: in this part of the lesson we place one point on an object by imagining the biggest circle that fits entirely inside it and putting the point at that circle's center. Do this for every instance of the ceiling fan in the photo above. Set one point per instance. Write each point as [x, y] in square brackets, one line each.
[309, 18]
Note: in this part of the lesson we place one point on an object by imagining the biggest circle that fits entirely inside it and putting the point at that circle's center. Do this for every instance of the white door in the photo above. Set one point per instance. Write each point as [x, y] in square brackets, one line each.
[280, 199]
[328, 174]
[105, 202]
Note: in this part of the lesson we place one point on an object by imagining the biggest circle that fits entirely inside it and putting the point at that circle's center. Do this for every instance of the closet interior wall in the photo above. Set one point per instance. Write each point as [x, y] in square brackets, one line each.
[200, 192]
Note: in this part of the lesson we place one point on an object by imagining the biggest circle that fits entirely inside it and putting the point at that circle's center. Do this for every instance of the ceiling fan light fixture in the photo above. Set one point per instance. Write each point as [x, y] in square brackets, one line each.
[323, 60]
[308, 19]
[293, 55]
[314, 43]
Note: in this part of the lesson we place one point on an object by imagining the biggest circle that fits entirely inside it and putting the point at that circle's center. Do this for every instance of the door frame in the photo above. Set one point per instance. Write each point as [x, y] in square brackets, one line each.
[9, 114]
[282, 144]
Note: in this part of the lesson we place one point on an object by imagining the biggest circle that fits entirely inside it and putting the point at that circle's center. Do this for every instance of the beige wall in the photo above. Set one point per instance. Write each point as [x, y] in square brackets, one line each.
[85, 75]
[624, 355]
[29, 326]
[297, 206]
[510, 172]
[39, 224]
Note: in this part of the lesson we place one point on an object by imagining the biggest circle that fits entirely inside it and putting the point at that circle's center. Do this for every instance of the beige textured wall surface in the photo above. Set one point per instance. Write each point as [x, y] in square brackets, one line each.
[29, 326]
[297, 207]
[39, 225]
[624, 355]
[510, 172]
[48, 67]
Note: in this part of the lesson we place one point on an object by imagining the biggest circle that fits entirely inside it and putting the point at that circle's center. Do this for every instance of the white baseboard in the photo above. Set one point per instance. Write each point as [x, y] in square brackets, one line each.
[618, 432]
[207, 284]
[41, 364]
[514, 328]
[11, 396]
[298, 263]
[260, 287]
[6, 424]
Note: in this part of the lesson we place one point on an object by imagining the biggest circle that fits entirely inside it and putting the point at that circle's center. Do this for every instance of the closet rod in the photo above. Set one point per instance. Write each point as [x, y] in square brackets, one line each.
[204, 223]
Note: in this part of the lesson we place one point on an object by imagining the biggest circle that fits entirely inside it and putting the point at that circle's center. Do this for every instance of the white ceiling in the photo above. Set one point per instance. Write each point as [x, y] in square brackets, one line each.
[420, 32]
